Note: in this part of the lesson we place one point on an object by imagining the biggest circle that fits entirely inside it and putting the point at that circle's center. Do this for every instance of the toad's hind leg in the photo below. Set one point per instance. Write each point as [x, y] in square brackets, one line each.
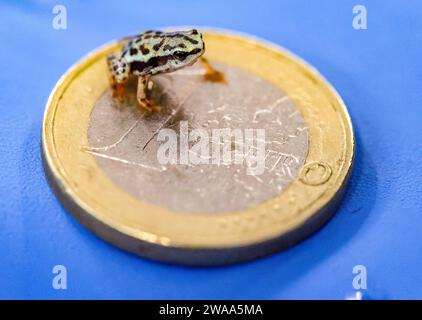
[118, 88]
[143, 102]
[212, 74]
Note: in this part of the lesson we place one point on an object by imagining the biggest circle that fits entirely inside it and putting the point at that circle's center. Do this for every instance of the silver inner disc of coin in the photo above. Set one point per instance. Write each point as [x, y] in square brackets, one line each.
[125, 142]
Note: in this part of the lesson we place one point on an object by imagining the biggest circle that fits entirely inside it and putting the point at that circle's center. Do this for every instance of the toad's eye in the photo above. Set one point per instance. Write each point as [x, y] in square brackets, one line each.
[180, 55]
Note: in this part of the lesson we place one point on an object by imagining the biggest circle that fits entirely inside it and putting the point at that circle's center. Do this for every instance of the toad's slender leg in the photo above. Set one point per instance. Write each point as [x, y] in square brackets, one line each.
[118, 91]
[212, 74]
[117, 87]
[143, 102]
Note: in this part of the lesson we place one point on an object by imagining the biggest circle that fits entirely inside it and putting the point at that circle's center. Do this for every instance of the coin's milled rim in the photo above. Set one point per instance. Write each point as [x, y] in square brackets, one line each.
[159, 233]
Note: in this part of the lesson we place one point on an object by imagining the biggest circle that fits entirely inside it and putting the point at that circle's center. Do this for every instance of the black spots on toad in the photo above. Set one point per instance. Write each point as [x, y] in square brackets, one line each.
[144, 49]
[158, 45]
[193, 41]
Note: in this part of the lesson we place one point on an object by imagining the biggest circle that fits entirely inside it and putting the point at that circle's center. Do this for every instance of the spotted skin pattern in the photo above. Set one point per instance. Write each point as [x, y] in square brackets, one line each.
[151, 53]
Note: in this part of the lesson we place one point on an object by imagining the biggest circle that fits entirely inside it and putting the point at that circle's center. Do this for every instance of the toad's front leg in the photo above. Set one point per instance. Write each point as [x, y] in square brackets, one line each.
[141, 95]
[212, 74]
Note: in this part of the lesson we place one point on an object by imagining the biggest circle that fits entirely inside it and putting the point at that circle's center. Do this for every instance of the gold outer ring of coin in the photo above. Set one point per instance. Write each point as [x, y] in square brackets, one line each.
[194, 239]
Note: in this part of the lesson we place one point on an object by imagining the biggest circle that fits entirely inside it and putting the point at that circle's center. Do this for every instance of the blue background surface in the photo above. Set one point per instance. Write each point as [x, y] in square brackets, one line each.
[378, 72]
